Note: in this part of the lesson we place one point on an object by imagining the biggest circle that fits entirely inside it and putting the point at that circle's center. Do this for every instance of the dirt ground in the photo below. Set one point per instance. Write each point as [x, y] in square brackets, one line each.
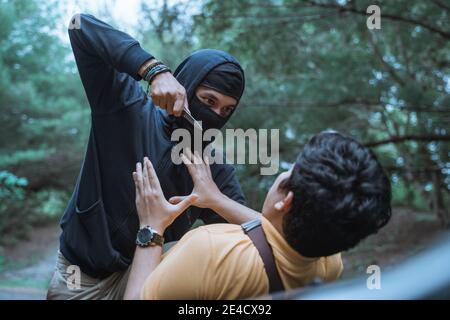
[407, 233]
[28, 266]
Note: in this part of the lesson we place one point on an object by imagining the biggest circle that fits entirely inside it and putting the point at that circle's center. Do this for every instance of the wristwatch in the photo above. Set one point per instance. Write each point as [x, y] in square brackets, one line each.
[147, 236]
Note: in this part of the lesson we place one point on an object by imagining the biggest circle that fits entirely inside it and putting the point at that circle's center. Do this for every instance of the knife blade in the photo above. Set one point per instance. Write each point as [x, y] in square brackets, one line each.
[188, 116]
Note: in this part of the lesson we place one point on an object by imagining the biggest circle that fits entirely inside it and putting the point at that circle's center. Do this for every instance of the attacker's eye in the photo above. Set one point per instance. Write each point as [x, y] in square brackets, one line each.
[208, 101]
[227, 111]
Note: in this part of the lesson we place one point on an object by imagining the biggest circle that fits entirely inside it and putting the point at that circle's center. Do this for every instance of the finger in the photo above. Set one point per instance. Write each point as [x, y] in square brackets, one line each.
[147, 186]
[208, 166]
[186, 203]
[164, 104]
[155, 98]
[197, 158]
[178, 106]
[139, 177]
[153, 177]
[189, 154]
[135, 183]
[168, 102]
[206, 160]
[176, 199]
[156, 101]
[186, 160]
[190, 166]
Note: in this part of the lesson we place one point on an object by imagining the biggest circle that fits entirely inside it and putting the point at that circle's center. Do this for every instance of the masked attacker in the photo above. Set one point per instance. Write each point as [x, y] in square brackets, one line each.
[100, 223]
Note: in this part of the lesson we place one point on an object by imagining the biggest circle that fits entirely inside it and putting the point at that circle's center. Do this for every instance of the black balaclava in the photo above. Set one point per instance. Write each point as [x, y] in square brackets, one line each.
[227, 79]
[211, 68]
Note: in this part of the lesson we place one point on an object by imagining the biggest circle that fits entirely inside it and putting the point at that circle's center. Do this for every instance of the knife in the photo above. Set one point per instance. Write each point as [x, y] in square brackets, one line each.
[188, 116]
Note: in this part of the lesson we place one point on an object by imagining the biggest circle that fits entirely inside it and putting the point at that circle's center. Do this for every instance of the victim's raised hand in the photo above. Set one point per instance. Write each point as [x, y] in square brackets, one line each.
[153, 209]
[205, 188]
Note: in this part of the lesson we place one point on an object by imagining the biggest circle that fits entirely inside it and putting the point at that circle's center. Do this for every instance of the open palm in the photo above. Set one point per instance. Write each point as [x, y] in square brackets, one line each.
[153, 209]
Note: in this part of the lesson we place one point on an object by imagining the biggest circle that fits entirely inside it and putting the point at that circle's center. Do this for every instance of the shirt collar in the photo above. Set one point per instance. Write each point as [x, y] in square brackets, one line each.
[295, 269]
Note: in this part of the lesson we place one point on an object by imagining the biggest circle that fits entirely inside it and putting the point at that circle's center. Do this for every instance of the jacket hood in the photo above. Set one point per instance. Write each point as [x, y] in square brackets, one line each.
[193, 70]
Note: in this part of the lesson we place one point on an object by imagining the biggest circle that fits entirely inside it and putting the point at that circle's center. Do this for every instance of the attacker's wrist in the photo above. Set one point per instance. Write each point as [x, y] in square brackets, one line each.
[154, 70]
[144, 67]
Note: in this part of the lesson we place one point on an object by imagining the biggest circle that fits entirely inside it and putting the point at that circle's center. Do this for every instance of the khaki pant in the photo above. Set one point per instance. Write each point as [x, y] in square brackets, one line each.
[110, 288]
[63, 288]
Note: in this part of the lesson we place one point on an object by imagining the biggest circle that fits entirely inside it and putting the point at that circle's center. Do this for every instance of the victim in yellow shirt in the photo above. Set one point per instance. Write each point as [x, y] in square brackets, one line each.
[219, 261]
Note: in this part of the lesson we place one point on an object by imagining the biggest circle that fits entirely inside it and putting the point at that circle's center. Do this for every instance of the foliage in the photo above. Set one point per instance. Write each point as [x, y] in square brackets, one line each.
[310, 65]
[43, 118]
[314, 65]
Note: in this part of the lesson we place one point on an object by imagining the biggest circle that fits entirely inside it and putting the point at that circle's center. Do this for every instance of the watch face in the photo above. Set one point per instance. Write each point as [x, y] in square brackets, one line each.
[144, 235]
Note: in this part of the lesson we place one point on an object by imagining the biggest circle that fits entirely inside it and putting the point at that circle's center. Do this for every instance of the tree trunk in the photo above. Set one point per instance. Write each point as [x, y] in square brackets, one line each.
[438, 201]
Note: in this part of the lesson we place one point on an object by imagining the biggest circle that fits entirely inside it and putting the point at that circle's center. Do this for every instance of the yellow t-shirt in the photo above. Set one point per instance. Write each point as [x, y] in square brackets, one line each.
[219, 261]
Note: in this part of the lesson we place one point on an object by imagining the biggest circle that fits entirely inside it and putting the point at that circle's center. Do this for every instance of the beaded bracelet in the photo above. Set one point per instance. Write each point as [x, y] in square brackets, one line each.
[149, 67]
[156, 72]
[154, 69]
[155, 63]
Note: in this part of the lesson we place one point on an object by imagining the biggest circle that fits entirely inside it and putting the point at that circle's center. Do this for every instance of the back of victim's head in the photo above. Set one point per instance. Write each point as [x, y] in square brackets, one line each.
[339, 194]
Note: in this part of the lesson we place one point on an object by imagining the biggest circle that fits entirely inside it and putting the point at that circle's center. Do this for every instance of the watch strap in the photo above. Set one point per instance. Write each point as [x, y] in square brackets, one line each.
[157, 239]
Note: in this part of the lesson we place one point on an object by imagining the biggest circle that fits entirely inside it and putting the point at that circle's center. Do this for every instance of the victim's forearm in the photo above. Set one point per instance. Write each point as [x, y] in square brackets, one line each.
[144, 262]
[233, 211]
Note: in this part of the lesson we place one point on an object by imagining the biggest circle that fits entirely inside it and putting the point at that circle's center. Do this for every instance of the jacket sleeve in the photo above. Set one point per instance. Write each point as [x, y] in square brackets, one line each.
[225, 177]
[104, 57]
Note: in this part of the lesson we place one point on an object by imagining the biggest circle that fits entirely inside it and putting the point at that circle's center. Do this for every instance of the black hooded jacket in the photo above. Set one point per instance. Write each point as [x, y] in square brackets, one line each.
[100, 223]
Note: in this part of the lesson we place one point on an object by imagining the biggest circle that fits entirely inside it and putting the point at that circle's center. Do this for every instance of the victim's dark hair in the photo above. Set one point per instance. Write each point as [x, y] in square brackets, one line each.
[341, 195]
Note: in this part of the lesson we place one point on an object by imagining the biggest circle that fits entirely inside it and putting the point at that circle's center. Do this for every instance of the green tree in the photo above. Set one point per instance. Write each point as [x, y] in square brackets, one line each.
[314, 65]
[43, 119]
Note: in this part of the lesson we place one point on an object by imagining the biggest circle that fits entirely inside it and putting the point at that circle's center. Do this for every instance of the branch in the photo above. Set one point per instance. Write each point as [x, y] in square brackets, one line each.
[441, 5]
[393, 17]
[250, 23]
[312, 104]
[413, 170]
[350, 103]
[263, 16]
[380, 57]
[398, 139]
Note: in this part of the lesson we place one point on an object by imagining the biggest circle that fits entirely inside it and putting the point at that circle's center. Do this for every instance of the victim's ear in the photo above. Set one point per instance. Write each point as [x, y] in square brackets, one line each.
[285, 204]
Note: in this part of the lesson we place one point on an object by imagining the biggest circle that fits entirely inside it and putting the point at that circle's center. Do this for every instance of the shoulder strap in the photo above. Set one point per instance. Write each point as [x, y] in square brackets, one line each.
[256, 233]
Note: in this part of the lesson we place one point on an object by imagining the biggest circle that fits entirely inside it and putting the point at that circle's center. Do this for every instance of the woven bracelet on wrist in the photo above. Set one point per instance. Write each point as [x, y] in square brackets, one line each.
[151, 66]
[155, 70]
[155, 73]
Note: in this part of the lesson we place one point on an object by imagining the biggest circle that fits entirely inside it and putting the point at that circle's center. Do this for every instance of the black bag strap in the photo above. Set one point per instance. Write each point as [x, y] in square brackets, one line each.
[256, 233]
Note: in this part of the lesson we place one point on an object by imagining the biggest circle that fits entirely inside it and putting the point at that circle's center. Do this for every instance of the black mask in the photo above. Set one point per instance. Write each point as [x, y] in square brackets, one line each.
[202, 112]
[214, 69]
